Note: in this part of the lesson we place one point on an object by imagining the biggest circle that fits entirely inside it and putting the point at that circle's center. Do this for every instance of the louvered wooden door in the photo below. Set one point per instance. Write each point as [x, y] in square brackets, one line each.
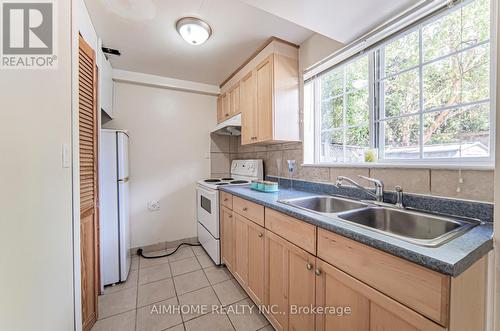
[89, 239]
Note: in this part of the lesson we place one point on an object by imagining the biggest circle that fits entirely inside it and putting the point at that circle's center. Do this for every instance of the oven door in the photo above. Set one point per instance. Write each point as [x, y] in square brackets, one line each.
[208, 209]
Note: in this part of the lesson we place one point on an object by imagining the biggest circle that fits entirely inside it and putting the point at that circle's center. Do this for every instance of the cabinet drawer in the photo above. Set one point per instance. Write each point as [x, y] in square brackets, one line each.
[419, 288]
[297, 232]
[250, 210]
[226, 200]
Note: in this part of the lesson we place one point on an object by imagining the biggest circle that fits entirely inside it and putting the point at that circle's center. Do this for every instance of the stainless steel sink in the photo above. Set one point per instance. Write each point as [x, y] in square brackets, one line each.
[419, 228]
[324, 204]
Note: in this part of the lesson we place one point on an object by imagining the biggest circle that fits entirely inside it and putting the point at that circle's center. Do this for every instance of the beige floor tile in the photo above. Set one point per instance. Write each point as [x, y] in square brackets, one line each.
[209, 322]
[201, 300]
[121, 322]
[116, 303]
[269, 327]
[134, 265]
[190, 282]
[229, 292]
[154, 273]
[155, 292]
[145, 263]
[179, 327]
[248, 317]
[131, 282]
[157, 317]
[217, 274]
[183, 252]
[205, 260]
[184, 266]
[197, 250]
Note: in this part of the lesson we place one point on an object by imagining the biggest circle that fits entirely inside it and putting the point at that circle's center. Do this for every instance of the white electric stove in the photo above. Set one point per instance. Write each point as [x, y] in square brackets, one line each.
[207, 199]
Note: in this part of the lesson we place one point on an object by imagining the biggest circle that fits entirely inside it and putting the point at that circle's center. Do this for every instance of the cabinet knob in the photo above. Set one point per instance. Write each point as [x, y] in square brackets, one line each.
[225, 199]
[230, 216]
[317, 272]
[260, 235]
[309, 266]
[226, 114]
[245, 208]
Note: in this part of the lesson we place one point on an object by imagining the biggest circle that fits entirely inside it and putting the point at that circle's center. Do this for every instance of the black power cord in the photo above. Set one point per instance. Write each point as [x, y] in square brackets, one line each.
[140, 251]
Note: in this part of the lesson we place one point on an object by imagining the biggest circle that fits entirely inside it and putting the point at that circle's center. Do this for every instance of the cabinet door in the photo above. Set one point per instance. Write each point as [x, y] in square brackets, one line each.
[241, 249]
[234, 107]
[225, 106]
[220, 111]
[255, 285]
[248, 111]
[368, 309]
[289, 284]
[227, 237]
[264, 85]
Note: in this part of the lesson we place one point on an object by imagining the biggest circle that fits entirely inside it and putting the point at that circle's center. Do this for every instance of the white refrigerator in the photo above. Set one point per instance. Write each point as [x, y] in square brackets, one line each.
[114, 207]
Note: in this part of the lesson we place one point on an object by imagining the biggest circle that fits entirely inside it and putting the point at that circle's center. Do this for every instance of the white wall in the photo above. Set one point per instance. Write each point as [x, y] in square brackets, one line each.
[169, 151]
[36, 263]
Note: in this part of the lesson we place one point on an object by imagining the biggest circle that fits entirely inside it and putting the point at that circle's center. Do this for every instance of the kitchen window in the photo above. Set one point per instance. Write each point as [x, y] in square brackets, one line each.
[422, 96]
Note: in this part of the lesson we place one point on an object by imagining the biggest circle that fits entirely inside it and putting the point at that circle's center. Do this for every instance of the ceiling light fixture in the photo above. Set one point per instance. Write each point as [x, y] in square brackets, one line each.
[193, 30]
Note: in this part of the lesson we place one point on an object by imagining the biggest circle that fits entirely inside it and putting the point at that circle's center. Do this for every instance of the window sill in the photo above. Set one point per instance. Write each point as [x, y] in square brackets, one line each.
[403, 165]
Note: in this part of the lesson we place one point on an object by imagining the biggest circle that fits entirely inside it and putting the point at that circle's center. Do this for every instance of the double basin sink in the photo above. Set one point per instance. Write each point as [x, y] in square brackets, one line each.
[419, 228]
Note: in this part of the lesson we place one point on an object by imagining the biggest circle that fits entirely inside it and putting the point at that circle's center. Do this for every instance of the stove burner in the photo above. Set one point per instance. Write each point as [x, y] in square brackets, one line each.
[221, 183]
[211, 180]
[227, 178]
[239, 182]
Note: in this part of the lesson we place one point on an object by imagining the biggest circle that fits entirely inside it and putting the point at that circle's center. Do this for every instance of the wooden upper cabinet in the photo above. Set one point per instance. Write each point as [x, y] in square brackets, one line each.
[234, 95]
[265, 100]
[266, 93]
[220, 110]
[248, 113]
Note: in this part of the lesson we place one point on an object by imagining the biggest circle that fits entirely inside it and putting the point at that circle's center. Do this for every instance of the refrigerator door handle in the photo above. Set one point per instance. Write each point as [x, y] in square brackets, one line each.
[123, 180]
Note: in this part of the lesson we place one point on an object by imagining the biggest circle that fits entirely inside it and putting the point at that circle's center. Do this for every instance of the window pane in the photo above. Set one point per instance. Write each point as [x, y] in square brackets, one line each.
[442, 36]
[332, 113]
[357, 141]
[357, 110]
[462, 28]
[461, 78]
[476, 74]
[401, 138]
[402, 94]
[357, 74]
[332, 146]
[332, 83]
[401, 53]
[462, 132]
[476, 22]
[442, 83]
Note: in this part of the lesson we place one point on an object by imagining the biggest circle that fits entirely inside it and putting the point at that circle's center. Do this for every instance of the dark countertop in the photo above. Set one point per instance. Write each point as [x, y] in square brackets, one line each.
[451, 258]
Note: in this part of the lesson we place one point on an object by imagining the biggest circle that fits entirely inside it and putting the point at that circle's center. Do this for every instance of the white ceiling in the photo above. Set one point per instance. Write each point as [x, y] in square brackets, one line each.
[144, 32]
[342, 20]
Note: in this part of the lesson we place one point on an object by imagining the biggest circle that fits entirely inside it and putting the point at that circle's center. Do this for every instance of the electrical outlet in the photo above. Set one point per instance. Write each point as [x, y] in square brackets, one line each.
[154, 205]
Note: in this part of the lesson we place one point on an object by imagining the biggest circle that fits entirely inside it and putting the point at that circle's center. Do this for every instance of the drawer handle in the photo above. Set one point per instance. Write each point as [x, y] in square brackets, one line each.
[225, 199]
[309, 266]
[260, 235]
[317, 272]
[245, 208]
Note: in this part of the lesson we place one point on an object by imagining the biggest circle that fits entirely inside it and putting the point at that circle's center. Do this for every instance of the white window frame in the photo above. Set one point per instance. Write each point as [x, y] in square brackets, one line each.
[375, 125]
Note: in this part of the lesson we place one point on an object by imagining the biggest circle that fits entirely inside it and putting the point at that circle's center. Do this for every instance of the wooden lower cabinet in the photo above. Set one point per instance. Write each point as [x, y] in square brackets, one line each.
[227, 237]
[360, 307]
[248, 257]
[289, 284]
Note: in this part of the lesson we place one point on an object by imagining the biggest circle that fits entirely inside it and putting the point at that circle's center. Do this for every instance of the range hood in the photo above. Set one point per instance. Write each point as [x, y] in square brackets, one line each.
[230, 127]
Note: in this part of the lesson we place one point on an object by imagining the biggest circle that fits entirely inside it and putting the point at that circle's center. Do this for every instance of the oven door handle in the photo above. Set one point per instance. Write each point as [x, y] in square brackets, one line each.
[207, 192]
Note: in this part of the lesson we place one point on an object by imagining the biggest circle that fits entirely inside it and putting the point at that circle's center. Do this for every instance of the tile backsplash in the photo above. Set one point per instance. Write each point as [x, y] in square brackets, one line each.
[476, 185]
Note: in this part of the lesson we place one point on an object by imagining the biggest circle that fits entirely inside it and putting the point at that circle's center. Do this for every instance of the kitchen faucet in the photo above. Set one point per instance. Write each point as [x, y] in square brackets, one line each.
[379, 186]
